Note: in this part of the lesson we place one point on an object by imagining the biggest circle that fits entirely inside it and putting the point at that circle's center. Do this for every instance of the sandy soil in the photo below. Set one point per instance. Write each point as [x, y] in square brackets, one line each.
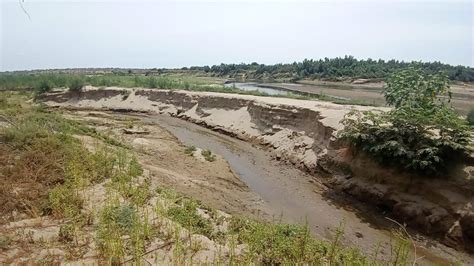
[298, 132]
[162, 154]
[38, 241]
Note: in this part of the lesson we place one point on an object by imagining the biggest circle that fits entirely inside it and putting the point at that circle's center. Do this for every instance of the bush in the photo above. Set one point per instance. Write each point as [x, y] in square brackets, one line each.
[470, 117]
[422, 134]
[190, 150]
[42, 86]
[207, 154]
[76, 84]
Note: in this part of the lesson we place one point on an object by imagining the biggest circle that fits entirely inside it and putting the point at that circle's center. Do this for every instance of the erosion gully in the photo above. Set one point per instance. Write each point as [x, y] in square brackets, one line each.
[297, 197]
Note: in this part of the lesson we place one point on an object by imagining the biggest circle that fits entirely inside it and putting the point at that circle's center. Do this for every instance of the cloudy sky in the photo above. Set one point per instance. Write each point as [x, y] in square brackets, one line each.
[145, 34]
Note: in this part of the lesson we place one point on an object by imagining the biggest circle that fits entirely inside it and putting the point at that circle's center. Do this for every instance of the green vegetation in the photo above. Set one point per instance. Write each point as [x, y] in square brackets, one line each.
[207, 154]
[36, 137]
[42, 83]
[291, 244]
[422, 134]
[334, 69]
[269, 243]
[189, 150]
[186, 214]
[117, 220]
[76, 84]
[470, 117]
[42, 153]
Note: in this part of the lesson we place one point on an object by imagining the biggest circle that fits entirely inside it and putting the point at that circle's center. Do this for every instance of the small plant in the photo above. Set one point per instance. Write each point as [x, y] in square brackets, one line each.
[207, 154]
[189, 150]
[189, 218]
[117, 220]
[67, 233]
[64, 202]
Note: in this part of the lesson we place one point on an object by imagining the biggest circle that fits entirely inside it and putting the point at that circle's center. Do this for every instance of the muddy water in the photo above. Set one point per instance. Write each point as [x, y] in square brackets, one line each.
[248, 86]
[292, 195]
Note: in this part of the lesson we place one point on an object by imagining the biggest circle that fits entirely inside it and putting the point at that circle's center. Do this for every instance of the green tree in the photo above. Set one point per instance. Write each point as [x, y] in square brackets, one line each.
[421, 134]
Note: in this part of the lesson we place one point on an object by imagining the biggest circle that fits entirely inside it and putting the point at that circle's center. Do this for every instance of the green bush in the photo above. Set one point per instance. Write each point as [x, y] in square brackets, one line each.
[42, 86]
[422, 134]
[76, 84]
[207, 154]
[470, 117]
[190, 150]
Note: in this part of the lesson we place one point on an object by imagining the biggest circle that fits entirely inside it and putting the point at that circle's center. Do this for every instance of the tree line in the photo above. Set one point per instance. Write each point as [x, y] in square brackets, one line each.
[335, 69]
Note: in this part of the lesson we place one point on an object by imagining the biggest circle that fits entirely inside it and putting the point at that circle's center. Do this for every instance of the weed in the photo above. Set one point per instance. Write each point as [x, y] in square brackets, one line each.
[139, 194]
[288, 244]
[64, 202]
[207, 154]
[189, 150]
[67, 233]
[187, 216]
[117, 220]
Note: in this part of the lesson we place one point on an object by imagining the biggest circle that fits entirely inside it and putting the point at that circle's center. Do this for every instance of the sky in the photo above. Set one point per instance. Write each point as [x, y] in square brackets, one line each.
[148, 34]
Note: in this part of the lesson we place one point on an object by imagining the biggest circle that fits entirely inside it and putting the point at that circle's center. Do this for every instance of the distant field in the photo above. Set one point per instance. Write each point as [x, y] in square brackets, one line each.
[340, 92]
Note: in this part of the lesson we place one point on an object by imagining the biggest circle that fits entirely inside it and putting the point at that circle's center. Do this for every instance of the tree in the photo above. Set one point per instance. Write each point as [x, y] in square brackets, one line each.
[421, 134]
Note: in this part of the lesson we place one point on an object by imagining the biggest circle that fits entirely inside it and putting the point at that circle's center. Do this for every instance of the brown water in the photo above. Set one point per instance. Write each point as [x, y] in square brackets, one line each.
[295, 196]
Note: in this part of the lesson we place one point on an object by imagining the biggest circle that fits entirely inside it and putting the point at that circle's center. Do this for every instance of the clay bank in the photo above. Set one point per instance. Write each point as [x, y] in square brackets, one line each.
[303, 133]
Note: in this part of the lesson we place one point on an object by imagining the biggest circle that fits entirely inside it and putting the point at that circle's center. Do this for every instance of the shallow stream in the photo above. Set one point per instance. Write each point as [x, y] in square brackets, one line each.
[293, 195]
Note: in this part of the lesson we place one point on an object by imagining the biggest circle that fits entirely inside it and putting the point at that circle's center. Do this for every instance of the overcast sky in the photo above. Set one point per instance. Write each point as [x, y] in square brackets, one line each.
[148, 34]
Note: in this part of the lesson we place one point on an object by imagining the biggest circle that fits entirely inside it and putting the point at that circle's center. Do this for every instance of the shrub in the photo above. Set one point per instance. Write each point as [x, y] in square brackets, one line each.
[190, 150]
[422, 134]
[470, 117]
[42, 86]
[76, 84]
[207, 154]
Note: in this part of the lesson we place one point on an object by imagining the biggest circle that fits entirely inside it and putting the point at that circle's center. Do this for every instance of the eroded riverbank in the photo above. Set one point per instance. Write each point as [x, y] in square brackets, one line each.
[297, 132]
